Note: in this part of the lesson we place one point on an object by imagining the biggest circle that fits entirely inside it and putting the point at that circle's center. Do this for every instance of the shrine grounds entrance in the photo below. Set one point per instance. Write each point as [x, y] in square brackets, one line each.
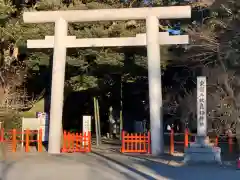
[152, 39]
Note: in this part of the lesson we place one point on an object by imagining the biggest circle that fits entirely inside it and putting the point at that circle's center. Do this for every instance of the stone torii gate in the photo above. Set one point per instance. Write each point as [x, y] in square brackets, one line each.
[152, 39]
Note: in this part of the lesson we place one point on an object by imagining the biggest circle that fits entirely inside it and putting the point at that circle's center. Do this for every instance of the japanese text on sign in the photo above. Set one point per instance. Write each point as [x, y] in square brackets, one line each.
[201, 106]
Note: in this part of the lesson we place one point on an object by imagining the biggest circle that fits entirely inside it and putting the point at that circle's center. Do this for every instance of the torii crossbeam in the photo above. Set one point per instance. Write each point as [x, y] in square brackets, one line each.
[139, 40]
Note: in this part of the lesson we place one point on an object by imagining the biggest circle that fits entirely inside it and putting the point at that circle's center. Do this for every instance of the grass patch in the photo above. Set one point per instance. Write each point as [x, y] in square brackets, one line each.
[38, 107]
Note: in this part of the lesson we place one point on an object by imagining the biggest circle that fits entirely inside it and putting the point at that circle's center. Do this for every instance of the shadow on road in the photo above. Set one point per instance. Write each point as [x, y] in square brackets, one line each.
[5, 168]
[166, 169]
[142, 174]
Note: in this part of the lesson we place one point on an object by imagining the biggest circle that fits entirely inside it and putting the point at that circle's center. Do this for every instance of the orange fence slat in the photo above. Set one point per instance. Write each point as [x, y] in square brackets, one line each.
[77, 141]
[149, 142]
[123, 141]
[85, 141]
[2, 135]
[186, 138]
[216, 141]
[89, 141]
[40, 136]
[27, 140]
[144, 144]
[14, 140]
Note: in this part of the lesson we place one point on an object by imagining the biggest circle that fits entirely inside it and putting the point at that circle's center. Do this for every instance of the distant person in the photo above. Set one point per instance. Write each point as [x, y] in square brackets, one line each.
[112, 122]
[168, 127]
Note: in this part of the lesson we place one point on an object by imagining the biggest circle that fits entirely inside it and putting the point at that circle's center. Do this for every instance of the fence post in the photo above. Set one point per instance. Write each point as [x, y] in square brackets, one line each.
[27, 140]
[172, 141]
[186, 138]
[144, 142]
[230, 143]
[131, 142]
[64, 147]
[2, 135]
[40, 140]
[216, 141]
[85, 141]
[77, 146]
[89, 141]
[72, 139]
[69, 141]
[123, 142]
[136, 141]
[14, 140]
[149, 142]
[81, 140]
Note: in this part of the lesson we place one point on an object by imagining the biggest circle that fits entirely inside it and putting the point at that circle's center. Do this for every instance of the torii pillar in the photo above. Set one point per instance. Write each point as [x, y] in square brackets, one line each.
[152, 40]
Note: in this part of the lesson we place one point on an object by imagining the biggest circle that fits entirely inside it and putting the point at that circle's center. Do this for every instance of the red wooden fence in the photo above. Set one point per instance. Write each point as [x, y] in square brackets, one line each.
[76, 142]
[186, 140]
[136, 143]
[13, 137]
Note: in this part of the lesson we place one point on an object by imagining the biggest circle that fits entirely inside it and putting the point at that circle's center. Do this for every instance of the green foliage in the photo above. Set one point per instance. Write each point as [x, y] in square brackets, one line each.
[214, 53]
[6, 9]
[78, 62]
[11, 119]
[82, 82]
[87, 68]
[37, 107]
[38, 59]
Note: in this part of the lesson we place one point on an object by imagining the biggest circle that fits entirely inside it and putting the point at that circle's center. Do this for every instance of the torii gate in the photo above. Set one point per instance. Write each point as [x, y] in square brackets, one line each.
[152, 39]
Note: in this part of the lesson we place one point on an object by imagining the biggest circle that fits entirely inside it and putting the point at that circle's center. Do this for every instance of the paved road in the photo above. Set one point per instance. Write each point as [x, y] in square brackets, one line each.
[165, 168]
[107, 166]
[64, 167]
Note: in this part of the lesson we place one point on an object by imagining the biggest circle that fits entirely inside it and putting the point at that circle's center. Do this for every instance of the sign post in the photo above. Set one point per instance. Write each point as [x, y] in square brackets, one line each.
[40, 122]
[44, 125]
[86, 128]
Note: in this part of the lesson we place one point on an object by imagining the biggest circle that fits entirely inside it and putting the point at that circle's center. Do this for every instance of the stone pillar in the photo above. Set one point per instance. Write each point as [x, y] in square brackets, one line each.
[57, 89]
[201, 150]
[154, 81]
